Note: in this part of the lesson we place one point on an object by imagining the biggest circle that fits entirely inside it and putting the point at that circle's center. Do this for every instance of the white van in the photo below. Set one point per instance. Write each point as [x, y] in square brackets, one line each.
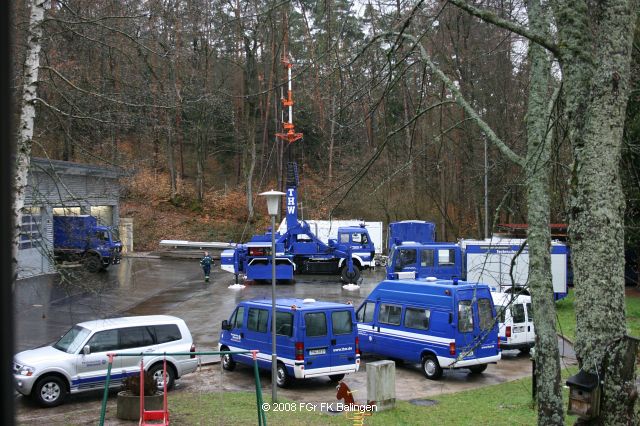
[515, 314]
[78, 361]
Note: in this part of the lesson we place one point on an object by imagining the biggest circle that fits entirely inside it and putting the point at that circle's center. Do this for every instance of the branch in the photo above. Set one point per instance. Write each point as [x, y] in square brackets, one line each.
[459, 97]
[492, 18]
[101, 96]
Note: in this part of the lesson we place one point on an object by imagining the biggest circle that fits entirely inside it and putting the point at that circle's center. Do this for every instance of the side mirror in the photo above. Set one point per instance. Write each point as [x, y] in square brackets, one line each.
[86, 350]
[226, 325]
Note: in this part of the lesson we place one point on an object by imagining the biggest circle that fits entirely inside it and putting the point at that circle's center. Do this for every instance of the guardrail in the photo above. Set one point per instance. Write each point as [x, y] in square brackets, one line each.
[196, 244]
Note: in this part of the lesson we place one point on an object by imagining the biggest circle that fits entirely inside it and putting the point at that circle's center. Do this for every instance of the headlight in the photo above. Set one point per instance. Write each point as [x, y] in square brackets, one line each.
[23, 370]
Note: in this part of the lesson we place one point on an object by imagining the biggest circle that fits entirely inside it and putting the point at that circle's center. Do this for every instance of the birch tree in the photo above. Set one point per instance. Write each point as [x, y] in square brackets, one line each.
[27, 114]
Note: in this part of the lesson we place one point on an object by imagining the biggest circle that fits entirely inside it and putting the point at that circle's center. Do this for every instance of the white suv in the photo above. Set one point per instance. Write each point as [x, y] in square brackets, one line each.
[78, 361]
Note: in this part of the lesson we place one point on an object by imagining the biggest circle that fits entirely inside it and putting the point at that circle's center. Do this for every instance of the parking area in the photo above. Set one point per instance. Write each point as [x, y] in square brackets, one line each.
[143, 286]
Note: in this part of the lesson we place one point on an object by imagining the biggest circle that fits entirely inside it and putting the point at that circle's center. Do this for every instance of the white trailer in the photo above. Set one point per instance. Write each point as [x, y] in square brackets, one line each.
[490, 261]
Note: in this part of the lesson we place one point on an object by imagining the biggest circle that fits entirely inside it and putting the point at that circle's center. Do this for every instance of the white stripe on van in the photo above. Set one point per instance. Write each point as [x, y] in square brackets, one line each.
[301, 373]
[407, 334]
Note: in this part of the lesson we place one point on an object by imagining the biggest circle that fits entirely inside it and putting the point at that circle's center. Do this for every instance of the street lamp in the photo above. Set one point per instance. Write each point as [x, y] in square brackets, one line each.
[273, 204]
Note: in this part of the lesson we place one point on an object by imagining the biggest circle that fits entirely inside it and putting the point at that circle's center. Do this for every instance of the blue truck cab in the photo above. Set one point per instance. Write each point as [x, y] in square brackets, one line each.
[442, 260]
[81, 238]
[438, 323]
[313, 338]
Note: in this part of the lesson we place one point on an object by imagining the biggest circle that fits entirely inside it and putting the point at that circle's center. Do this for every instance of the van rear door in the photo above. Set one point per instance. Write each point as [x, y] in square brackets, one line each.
[520, 326]
[467, 329]
[343, 338]
[477, 334]
[317, 353]
[531, 331]
[487, 327]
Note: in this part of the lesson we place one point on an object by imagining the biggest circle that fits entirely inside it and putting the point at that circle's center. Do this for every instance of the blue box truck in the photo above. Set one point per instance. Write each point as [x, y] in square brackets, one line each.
[81, 238]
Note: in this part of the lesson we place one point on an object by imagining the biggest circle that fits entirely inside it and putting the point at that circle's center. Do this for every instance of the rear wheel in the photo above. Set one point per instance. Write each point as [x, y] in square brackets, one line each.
[525, 350]
[350, 277]
[477, 369]
[50, 391]
[282, 377]
[431, 368]
[157, 371]
[336, 377]
[227, 360]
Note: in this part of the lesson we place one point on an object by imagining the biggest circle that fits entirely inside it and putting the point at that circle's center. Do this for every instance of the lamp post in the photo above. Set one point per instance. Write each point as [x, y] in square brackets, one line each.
[273, 203]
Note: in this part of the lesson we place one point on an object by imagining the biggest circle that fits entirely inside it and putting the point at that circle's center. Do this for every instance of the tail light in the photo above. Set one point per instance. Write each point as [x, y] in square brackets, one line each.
[507, 332]
[498, 342]
[357, 345]
[452, 348]
[299, 351]
[193, 349]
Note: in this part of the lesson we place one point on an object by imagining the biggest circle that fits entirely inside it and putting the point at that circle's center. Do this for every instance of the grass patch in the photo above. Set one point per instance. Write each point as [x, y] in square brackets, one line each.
[504, 404]
[567, 317]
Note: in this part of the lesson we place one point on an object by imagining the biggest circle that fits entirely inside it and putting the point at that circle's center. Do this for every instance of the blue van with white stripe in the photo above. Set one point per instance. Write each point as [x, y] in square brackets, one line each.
[440, 324]
[313, 338]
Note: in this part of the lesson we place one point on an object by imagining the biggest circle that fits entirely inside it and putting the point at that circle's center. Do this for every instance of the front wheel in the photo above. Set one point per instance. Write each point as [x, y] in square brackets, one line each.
[431, 368]
[282, 377]
[50, 391]
[227, 361]
[477, 369]
[350, 277]
[93, 263]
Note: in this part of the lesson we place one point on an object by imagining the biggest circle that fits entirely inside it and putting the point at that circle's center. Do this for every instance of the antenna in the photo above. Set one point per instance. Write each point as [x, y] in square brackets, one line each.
[289, 133]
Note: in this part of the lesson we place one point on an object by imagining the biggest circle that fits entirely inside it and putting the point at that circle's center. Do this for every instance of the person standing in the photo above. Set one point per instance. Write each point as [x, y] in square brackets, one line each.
[206, 263]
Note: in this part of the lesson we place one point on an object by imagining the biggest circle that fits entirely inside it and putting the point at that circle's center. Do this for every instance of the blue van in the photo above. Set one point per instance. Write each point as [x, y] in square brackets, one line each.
[313, 338]
[441, 324]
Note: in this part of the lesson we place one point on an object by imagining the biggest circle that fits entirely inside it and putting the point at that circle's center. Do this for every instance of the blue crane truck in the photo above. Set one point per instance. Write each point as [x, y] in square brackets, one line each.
[502, 263]
[299, 250]
[80, 238]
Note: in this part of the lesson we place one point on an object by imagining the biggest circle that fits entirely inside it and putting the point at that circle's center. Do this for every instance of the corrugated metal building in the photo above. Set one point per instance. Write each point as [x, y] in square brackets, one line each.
[62, 188]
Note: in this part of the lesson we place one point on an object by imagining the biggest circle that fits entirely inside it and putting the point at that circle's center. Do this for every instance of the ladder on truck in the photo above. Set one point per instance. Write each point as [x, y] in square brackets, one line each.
[157, 417]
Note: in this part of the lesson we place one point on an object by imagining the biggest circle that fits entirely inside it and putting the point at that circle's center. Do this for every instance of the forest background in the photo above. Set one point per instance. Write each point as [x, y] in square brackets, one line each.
[185, 97]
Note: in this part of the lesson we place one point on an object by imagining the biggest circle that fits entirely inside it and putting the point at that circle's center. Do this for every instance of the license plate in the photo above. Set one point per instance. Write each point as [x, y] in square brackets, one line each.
[518, 329]
[317, 351]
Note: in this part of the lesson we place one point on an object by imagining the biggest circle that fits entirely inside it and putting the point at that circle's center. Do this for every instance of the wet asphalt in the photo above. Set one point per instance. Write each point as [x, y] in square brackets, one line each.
[45, 309]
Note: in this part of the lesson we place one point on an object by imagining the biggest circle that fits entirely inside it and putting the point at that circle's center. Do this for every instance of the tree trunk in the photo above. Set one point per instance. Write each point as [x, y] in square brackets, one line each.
[251, 139]
[200, 167]
[27, 116]
[537, 168]
[596, 67]
[171, 165]
[332, 137]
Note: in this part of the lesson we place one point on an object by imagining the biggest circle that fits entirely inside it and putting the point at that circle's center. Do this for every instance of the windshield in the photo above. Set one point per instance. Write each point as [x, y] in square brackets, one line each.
[72, 339]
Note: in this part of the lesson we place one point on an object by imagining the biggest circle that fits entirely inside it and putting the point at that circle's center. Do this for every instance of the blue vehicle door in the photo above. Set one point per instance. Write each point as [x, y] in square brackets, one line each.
[257, 335]
[317, 353]
[390, 339]
[467, 329]
[235, 338]
[487, 326]
[405, 260]
[366, 327]
[285, 343]
[343, 338]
